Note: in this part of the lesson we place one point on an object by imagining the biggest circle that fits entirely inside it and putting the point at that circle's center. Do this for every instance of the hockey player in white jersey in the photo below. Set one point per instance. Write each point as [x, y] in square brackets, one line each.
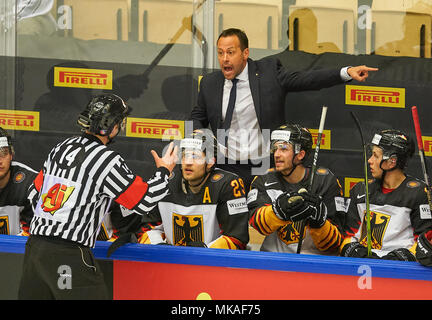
[399, 209]
[15, 179]
[206, 206]
[276, 208]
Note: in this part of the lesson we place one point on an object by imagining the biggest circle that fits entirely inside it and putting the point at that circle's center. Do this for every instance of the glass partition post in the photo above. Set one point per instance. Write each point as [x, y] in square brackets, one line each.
[203, 53]
[7, 53]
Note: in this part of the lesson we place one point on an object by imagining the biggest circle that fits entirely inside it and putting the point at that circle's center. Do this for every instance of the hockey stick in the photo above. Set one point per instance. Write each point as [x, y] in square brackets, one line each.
[368, 226]
[313, 169]
[421, 153]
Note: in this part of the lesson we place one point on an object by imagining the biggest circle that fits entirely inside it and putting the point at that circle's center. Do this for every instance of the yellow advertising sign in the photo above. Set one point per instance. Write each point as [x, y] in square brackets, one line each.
[427, 145]
[19, 120]
[325, 138]
[83, 78]
[375, 96]
[155, 128]
[349, 183]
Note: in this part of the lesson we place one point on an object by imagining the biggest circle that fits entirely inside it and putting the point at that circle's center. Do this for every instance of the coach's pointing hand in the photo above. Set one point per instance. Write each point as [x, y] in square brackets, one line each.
[360, 73]
[169, 159]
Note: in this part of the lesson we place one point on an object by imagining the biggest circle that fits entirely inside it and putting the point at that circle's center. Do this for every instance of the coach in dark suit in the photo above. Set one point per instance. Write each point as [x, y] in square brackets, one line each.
[247, 98]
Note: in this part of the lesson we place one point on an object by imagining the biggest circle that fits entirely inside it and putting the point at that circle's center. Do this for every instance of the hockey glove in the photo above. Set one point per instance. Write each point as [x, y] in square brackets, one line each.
[401, 254]
[357, 250]
[424, 249]
[290, 207]
[317, 210]
[196, 244]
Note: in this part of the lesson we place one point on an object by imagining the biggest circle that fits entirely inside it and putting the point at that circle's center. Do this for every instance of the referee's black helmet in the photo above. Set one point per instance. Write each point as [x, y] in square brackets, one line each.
[102, 113]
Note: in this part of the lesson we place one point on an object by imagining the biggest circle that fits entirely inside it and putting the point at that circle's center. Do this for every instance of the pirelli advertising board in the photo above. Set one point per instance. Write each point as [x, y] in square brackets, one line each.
[427, 145]
[325, 138]
[19, 120]
[155, 128]
[83, 78]
[375, 96]
[349, 183]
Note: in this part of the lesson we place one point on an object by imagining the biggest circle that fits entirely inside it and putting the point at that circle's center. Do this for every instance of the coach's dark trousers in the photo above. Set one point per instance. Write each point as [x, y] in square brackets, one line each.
[54, 268]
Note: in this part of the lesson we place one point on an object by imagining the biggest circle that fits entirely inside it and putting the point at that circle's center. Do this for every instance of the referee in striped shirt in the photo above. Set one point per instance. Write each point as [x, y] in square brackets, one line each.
[70, 197]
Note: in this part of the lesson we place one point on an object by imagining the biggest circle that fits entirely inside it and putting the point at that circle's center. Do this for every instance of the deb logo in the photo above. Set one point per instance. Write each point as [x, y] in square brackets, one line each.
[427, 145]
[325, 138]
[154, 128]
[55, 198]
[82, 78]
[349, 183]
[375, 96]
[19, 120]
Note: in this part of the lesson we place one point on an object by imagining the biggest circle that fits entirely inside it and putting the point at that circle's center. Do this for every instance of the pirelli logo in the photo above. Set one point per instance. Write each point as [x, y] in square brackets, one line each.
[82, 78]
[325, 138]
[427, 145]
[375, 96]
[155, 128]
[349, 183]
[19, 120]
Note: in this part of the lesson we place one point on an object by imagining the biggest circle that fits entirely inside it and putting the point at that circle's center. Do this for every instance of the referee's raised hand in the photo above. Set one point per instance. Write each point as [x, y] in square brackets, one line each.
[169, 159]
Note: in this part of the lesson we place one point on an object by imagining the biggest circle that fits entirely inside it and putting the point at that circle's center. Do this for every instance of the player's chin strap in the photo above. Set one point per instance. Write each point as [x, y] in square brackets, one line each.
[294, 166]
[292, 170]
[384, 170]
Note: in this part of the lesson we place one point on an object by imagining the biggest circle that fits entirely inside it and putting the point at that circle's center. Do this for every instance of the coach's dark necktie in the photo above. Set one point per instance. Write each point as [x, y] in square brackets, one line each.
[231, 103]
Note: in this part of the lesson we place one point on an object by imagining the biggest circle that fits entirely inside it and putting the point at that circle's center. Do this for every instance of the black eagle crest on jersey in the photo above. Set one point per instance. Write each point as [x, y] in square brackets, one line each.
[290, 233]
[378, 223]
[187, 229]
[4, 225]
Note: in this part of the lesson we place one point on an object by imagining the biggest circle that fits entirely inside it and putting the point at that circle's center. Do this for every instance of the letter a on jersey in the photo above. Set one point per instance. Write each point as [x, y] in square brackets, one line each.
[206, 197]
[55, 198]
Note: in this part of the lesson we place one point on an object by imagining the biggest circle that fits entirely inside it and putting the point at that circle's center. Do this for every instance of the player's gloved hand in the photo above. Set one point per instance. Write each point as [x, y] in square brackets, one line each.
[401, 254]
[317, 209]
[290, 206]
[424, 249]
[357, 250]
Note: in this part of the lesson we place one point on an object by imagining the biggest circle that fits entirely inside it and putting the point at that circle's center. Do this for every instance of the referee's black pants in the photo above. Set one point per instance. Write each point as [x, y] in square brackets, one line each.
[54, 268]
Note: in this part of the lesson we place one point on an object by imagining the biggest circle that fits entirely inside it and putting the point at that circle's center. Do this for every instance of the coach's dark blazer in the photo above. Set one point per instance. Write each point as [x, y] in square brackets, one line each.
[269, 82]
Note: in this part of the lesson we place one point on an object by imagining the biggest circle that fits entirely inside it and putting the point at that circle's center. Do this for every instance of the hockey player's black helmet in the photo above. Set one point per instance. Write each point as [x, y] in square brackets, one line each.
[203, 140]
[298, 136]
[395, 143]
[102, 113]
[5, 140]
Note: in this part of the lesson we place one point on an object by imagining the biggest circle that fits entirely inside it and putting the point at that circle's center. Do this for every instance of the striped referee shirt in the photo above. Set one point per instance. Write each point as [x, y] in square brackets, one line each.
[73, 192]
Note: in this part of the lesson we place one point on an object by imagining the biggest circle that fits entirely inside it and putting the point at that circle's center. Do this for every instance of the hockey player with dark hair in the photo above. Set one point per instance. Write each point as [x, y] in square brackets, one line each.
[15, 179]
[71, 196]
[206, 206]
[400, 215]
[279, 200]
